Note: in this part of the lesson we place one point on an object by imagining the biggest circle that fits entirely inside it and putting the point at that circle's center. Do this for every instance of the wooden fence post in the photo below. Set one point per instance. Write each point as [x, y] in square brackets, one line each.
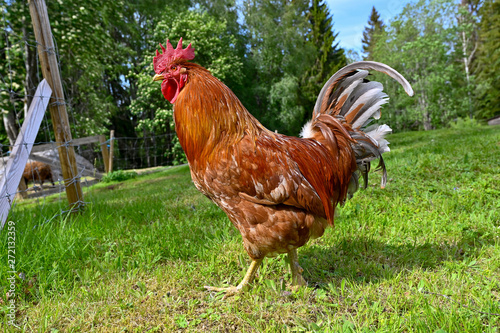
[57, 106]
[104, 151]
[111, 146]
[22, 192]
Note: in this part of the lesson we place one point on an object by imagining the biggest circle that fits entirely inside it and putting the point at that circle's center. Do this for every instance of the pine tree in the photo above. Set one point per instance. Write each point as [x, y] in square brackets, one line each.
[487, 64]
[375, 26]
[329, 57]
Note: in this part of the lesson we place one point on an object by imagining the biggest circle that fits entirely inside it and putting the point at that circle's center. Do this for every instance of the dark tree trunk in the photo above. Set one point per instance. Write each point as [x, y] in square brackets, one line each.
[10, 124]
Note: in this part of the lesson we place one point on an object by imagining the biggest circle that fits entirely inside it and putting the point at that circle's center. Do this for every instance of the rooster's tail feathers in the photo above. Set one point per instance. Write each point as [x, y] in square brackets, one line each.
[341, 85]
[348, 98]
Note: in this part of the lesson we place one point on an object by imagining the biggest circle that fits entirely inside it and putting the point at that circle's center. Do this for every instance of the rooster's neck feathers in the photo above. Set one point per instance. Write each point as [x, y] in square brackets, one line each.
[207, 113]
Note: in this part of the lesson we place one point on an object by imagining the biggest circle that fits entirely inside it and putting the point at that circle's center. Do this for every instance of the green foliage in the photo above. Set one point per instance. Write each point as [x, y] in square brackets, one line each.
[294, 51]
[437, 75]
[86, 71]
[176, 153]
[277, 31]
[353, 56]
[118, 176]
[284, 95]
[465, 123]
[275, 55]
[487, 65]
[12, 67]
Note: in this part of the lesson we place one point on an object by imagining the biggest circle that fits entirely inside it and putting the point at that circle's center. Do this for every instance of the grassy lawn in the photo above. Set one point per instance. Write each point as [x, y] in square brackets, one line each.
[421, 255]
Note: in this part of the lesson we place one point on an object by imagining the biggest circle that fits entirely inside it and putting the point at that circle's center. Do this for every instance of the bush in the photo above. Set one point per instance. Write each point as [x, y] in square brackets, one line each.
[462, 123]
[118, 176]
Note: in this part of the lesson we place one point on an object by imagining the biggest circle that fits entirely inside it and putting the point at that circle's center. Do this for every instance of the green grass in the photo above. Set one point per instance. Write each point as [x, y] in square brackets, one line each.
[422, 255]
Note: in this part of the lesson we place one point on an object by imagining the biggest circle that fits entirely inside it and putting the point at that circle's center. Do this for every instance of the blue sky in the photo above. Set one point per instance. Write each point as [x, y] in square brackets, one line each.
[351, 16]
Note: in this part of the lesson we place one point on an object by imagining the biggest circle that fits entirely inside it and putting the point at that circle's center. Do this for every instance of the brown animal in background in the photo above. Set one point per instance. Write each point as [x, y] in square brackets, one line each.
[37, 172]
[278, 191]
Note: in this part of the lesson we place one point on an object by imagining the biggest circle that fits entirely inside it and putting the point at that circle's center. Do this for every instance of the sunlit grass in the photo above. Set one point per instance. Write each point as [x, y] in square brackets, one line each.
[421, 255]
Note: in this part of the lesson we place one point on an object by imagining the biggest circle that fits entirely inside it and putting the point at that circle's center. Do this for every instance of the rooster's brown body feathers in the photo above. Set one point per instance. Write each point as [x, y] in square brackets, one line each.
[279, 191]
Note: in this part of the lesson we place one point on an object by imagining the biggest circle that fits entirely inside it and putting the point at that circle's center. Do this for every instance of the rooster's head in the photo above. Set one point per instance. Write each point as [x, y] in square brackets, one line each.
[169, 68]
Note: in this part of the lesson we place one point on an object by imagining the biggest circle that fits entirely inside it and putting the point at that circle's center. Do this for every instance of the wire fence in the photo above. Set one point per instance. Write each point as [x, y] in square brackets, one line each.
[140, 153]
[128, 153]
[42, 175]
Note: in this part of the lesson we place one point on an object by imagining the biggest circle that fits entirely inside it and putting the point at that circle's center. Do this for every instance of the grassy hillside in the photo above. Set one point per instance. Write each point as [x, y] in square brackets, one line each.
[421, 255]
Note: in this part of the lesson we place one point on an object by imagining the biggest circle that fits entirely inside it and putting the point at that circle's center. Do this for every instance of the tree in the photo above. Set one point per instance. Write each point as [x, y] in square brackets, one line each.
[487, 65]
[281, 54]
[76, 25]
[85, 52]
[132, 29]
[422, 43]
[11, 68]
[329, 57]
[375, 27]
[467, 24]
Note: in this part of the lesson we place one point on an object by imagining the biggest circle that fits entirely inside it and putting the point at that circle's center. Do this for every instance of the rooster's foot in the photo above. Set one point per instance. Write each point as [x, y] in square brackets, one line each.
[229, 291]
[244, 284]
[297, 279]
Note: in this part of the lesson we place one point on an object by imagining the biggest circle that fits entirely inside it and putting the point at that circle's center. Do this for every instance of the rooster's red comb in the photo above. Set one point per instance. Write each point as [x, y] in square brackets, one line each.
[170, 54]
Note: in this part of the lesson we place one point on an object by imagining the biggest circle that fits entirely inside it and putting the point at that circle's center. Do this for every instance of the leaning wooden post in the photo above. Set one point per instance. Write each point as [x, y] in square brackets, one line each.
[104, 152]
[57, 106]
[111, 146]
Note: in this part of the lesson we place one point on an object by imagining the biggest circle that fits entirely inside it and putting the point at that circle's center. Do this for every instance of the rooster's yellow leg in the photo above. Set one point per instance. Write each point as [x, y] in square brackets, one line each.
[249, 276]
[297, 279]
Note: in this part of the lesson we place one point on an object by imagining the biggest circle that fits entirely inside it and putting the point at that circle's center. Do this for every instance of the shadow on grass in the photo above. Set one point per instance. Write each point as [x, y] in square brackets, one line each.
[363, 260]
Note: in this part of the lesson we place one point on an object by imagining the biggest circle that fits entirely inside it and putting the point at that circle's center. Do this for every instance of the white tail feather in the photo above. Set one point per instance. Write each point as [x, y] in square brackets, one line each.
[368, 113]
[378, 135]
[367, 97]
[307, 131]
[353, 82]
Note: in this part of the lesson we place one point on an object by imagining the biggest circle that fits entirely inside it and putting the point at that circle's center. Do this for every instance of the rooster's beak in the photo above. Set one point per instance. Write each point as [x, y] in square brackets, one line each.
[158, 77]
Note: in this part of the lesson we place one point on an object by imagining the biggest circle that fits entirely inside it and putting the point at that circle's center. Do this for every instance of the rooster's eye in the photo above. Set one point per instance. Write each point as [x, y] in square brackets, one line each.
[173, 68]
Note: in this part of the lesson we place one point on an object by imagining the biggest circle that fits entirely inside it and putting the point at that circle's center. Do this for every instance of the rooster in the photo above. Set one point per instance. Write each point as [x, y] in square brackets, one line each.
[278, 191]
